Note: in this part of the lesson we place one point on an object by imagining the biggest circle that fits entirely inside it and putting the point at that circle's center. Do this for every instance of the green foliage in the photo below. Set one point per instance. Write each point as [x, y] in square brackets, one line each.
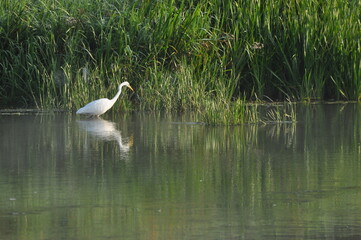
[178, 55]
[281, 113]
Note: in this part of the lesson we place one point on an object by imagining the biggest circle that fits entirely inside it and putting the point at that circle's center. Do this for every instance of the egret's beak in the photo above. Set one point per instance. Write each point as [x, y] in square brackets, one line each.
[130, 88]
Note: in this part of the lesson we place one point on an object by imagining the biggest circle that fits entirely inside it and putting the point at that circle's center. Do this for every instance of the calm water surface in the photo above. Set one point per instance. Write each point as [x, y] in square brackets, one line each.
[154, 176]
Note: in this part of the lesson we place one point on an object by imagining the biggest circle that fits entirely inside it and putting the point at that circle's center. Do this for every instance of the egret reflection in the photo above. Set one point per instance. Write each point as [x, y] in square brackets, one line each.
[105, 130]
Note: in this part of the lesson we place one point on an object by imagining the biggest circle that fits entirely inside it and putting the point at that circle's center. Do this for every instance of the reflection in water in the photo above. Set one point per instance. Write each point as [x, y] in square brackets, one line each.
[183, 181]
[105, 130]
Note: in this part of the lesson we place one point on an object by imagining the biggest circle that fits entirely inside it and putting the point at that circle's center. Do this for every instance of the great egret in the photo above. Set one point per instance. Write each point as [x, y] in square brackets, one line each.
[100, 106]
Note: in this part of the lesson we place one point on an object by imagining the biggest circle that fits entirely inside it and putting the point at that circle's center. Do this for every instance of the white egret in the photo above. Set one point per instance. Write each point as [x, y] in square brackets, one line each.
[100, 106]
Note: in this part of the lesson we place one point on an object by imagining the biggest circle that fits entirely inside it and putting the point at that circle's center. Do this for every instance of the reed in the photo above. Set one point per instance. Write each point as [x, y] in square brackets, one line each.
[179, 55]
[281, 113]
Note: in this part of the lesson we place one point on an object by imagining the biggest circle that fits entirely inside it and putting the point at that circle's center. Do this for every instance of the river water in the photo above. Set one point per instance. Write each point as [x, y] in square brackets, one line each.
[159, 176]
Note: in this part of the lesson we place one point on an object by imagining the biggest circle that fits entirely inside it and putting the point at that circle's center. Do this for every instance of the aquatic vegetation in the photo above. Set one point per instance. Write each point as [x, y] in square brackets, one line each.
[281, 113]
[221, 113]
[179, 55]
[241, 112]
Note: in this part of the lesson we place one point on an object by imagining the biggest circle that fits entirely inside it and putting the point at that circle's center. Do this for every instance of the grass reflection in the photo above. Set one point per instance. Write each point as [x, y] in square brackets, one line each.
[181, 180]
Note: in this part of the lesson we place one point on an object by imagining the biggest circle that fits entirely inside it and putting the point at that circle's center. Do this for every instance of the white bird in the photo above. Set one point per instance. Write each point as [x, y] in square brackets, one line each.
[100, 106]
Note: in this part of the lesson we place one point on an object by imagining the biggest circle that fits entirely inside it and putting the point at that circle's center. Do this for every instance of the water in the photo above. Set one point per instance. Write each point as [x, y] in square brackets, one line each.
[154, 176]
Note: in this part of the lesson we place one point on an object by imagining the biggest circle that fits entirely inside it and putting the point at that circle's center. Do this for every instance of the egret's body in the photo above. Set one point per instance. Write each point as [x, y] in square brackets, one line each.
[100, 106]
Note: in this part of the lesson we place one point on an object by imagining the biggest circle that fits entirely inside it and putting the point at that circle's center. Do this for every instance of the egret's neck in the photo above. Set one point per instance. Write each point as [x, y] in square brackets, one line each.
[114, 99]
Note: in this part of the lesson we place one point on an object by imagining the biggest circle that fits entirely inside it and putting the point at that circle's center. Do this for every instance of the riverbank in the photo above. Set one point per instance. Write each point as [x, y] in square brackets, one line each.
[179, 55]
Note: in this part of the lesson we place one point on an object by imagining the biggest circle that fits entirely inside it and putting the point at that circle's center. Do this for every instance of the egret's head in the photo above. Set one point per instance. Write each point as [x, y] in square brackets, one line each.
[126, 84]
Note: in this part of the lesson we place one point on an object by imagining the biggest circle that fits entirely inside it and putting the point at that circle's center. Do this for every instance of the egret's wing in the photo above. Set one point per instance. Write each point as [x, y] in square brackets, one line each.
[96, 107]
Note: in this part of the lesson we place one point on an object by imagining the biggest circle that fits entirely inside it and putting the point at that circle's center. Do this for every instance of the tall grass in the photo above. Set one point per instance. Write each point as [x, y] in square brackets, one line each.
[178, 54]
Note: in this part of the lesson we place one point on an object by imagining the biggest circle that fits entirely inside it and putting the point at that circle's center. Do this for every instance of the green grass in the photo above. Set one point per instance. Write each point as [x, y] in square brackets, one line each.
[179, 55]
